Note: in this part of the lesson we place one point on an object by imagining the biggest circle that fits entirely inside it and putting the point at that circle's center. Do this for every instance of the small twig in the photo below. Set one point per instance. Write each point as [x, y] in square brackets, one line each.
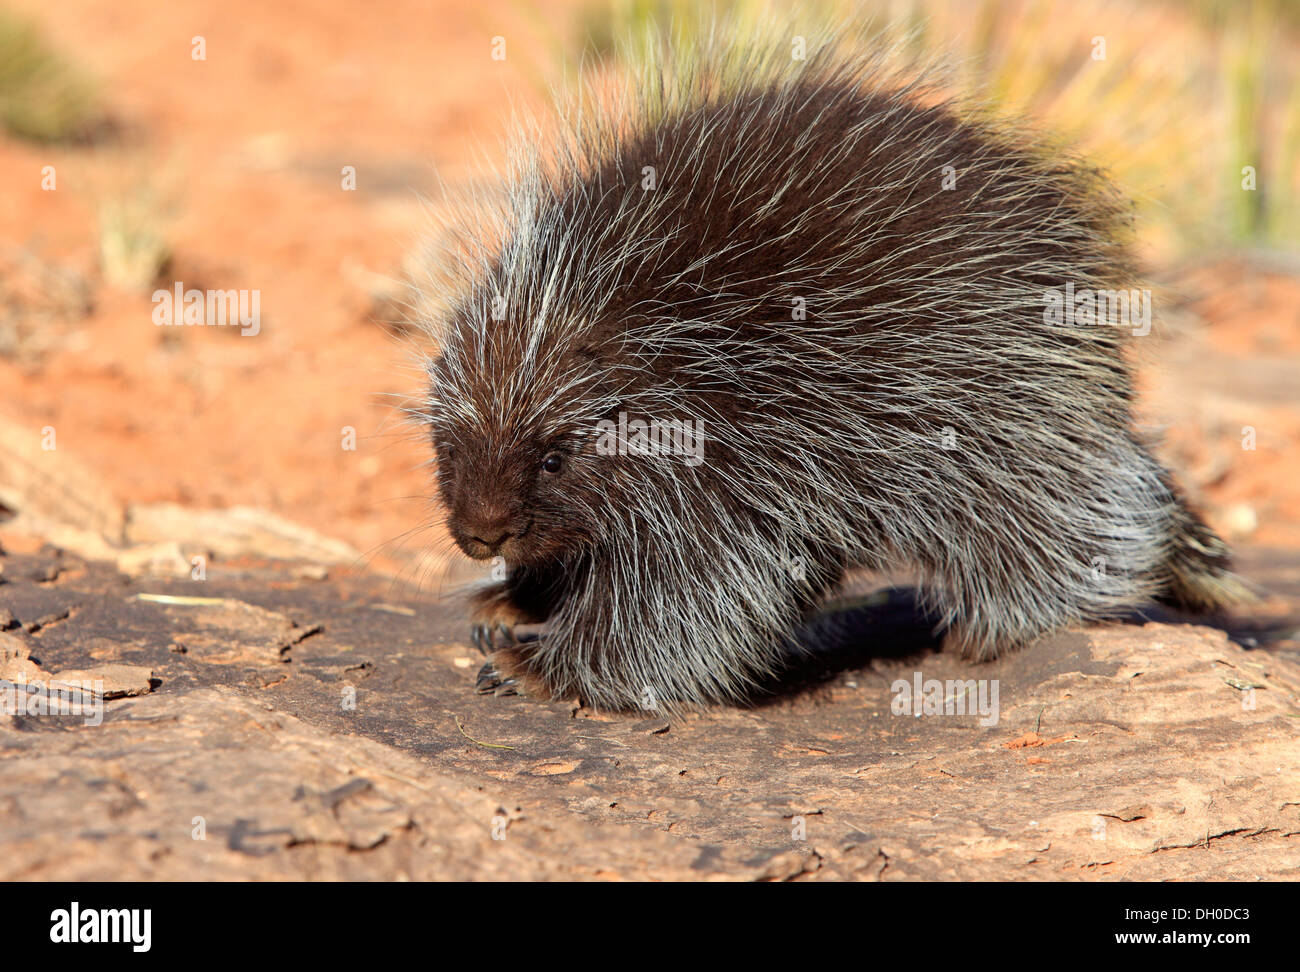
[179, 599]
[477, 742]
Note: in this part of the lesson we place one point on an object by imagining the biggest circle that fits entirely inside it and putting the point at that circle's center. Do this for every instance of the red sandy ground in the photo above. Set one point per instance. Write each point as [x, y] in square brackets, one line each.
[255, 138]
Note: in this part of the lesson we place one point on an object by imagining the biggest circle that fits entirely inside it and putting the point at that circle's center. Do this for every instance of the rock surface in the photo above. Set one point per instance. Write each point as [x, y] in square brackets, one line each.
[329, 729]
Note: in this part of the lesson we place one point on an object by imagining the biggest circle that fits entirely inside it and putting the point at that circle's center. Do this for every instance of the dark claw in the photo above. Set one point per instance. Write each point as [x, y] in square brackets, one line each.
[487, 638]
[491, 681]
[481, 638]
[488, 679]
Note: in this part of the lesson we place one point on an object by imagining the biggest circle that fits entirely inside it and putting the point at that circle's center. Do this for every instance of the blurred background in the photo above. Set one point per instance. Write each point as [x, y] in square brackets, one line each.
[130, 162]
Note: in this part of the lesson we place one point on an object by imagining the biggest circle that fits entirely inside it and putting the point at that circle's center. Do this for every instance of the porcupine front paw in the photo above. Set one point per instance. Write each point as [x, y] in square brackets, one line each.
[506, 673]
[495, 614]
[488, 636]
[491, 680]
[493, 639]
[496, 640]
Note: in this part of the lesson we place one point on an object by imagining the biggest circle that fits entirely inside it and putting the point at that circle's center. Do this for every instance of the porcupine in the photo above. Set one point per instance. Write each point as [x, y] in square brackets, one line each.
[836, 280]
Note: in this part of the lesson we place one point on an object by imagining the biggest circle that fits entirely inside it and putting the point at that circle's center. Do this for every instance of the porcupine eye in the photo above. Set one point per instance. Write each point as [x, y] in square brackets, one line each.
[553, 463]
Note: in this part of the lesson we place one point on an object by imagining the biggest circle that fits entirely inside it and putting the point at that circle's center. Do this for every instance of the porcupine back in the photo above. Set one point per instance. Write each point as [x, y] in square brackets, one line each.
[842, 279]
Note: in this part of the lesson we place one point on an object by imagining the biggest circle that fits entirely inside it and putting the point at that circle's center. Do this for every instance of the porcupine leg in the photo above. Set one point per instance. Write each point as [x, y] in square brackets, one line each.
[1130, 537]
[1004, 602]
[507, 672]
[525, 597]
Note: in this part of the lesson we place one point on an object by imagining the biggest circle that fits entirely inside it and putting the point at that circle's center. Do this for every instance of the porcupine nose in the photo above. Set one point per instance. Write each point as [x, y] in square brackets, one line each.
[491, 529]
[491, 538]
